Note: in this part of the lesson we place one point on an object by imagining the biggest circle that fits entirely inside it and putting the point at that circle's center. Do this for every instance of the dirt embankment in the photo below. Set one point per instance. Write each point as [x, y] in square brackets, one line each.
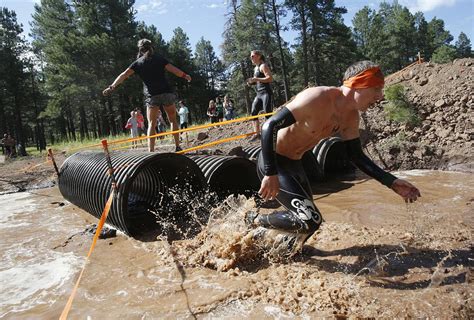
[442, 96]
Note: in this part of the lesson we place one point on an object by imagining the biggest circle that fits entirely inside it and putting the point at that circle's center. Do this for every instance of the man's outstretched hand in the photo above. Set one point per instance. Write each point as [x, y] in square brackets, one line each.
[406, 190]
[108, 90]
[269, 187]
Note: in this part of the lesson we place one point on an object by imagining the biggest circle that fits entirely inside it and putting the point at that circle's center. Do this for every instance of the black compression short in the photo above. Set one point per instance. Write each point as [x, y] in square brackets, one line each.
[301, 215]
[263, 101]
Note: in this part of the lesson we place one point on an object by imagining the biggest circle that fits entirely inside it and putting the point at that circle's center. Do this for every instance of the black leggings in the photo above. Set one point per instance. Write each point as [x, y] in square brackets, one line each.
[301, 215]
[263, 101]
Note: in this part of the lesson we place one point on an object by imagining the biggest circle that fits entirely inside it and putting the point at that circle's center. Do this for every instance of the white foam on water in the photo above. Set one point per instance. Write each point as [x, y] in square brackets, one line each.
[413, 173]
[37, 281]
[14, 204]
[277, 313]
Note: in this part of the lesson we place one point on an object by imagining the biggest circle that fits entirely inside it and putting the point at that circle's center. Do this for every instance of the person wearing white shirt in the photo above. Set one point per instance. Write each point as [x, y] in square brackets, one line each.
[183, 113]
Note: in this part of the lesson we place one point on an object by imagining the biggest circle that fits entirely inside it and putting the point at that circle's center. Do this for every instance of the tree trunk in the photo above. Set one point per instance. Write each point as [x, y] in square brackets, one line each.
[70, 124]
[39, 129]
[248, 103]
[19, 135]
[97, 127]
[304, 38]
[111, 117]
[282, 56]
[3, 124]
[84, 132]
[62, 127]
[103, 118]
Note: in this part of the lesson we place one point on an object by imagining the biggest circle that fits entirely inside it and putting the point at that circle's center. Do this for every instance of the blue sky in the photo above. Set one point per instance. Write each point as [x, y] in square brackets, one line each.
[206, 18]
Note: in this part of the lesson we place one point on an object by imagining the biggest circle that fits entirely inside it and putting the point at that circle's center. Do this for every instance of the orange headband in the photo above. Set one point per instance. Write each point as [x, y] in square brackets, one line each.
[369, 78]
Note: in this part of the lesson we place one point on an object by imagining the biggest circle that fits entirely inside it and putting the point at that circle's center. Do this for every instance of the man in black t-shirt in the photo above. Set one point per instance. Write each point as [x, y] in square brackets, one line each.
[151, 67]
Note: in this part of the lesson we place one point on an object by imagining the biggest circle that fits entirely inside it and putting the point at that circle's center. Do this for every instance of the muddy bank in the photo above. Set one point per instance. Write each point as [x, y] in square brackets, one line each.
[442, 97]
[373, 257]
[28, 173]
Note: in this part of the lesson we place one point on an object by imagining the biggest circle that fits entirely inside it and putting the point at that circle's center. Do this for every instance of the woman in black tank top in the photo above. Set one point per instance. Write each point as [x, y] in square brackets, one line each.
[262, 77]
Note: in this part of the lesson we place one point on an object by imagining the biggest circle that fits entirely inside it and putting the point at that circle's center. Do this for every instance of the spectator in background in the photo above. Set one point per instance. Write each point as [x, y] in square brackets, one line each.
[141, 124]
[9, 143]
[161, 126]
[132, 124]
[4, 151]
[219, 109]
[183, 113]
[228, 108]
[212, 111]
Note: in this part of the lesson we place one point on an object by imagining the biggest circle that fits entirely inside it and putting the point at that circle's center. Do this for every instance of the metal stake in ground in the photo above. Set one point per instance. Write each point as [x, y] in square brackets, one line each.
[50, 154]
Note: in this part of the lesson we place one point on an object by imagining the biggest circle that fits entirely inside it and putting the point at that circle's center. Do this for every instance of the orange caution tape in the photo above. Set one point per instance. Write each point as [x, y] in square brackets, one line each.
[105, 213]
[177, 131]
[217, 142]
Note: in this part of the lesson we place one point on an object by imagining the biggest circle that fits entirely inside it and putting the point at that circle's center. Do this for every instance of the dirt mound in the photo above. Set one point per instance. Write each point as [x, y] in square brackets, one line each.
[27, 173]
[442, 96]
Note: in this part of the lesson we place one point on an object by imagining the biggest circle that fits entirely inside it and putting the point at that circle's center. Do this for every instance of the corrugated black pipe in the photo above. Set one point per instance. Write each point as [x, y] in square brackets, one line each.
[252, 152]
[227, 175]
[331, 156]
[147, 182]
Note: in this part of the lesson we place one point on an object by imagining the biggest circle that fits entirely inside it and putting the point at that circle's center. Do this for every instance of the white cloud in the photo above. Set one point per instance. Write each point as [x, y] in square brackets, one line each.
[428, 5]
[216, 4]
[157, 6]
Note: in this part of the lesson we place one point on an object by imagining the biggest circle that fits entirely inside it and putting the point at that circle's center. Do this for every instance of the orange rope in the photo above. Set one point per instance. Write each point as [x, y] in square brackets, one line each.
[178, 131]
[217, 142]
[105, 213]
[418, 61]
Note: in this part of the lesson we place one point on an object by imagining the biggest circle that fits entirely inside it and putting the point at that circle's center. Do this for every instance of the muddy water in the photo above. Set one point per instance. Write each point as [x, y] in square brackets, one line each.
[374, 256]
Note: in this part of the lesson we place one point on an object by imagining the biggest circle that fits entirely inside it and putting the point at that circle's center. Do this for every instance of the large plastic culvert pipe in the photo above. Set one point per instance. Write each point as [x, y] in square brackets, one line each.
[331, 156]
[252, 152]
[149, 185]
[228, 175]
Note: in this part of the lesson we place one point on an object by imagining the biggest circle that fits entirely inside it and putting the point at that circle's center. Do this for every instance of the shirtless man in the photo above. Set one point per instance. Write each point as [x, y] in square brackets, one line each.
[314, 114]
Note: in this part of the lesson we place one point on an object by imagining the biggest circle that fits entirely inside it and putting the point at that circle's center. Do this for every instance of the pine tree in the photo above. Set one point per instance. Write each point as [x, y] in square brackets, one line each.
[239, 40]
[14, 79]
[438, 36]
[463, 46]
[300, 21]
[422, 42]
[209, 75]
[444, 54]
[55, 33]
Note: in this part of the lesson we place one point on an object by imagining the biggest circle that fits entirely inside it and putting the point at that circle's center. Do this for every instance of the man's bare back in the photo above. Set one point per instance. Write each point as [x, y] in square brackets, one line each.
[319, 112]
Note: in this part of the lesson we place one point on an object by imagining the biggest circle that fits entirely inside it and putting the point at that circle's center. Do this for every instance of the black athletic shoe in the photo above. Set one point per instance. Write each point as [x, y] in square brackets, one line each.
[250, 217]
[178, 148]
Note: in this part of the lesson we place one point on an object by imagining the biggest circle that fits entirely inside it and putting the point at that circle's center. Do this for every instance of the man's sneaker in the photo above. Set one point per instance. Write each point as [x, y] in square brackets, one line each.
[250, 217]
[178, 148]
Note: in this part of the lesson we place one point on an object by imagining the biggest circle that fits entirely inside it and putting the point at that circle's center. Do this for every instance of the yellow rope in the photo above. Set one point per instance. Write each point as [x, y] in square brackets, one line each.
[178, 131]
[217, 142]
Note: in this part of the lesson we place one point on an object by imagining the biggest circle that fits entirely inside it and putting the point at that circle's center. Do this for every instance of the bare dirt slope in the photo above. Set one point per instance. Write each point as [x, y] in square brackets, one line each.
[443, 97]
